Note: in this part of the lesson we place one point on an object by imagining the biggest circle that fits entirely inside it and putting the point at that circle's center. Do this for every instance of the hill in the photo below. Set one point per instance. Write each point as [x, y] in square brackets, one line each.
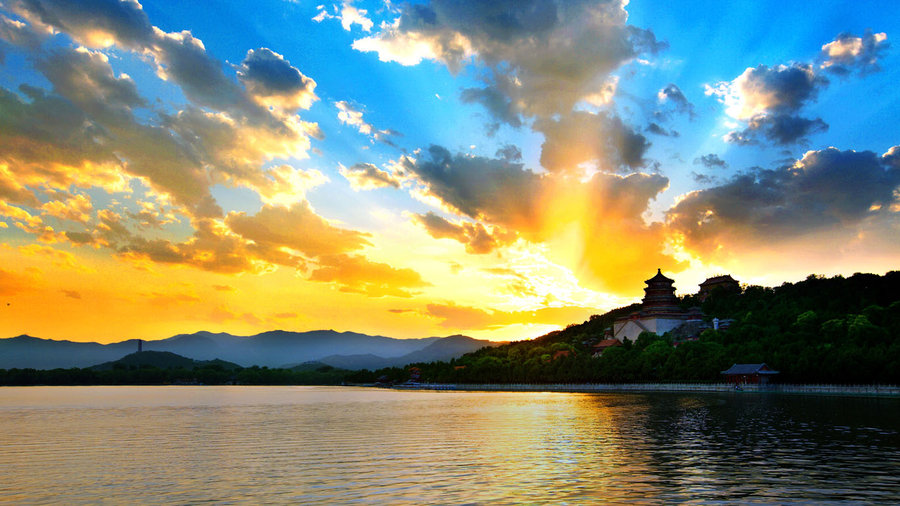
[443, 349]
[819, 330]
[162, 360]
[271, 349]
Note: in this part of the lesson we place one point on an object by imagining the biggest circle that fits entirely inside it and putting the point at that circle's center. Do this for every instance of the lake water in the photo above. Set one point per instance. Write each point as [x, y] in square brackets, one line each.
[352, 445]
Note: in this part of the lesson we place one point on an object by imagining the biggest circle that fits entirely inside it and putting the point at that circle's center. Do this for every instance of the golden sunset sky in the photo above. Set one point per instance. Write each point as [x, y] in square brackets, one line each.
[497, 169]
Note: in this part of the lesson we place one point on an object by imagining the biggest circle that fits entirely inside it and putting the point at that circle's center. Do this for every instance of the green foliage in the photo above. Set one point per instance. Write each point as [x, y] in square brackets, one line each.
[820, 330]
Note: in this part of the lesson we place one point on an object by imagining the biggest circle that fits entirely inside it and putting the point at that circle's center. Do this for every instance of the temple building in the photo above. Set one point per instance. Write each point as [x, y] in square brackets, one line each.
[725, 283]
[659, 313]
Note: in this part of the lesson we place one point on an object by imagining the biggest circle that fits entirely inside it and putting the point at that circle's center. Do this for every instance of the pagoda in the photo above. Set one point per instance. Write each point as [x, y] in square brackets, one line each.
[660, 312]
[659, 296]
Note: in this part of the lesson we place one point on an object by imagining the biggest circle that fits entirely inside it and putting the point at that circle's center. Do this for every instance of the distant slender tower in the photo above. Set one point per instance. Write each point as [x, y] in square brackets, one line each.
[140, 346]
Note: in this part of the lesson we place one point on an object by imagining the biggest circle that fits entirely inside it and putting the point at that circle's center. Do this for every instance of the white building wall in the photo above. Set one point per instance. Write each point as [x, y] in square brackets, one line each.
[631, 329]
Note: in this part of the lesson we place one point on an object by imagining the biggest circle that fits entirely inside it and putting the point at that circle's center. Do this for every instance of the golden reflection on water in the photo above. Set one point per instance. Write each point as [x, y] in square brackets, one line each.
[346, 445]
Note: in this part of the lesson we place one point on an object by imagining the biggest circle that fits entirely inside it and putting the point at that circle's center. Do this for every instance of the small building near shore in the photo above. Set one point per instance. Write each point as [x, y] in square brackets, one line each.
[598, 349]
[754, 374]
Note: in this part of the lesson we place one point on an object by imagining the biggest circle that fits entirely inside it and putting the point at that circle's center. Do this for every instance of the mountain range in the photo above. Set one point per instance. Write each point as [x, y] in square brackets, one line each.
[276, 348]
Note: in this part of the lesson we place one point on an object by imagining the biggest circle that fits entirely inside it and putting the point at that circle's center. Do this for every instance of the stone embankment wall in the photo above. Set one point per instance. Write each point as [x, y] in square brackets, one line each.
[886, 390]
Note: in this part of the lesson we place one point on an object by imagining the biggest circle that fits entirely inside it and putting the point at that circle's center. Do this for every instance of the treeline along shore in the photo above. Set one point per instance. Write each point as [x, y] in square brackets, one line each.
[834, 331]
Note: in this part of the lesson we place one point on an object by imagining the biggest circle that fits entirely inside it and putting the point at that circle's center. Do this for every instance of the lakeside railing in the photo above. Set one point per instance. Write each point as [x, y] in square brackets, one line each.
[885, 390]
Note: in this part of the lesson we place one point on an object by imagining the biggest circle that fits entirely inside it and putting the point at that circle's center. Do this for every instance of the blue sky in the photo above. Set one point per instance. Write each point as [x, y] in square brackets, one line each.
[494, 168]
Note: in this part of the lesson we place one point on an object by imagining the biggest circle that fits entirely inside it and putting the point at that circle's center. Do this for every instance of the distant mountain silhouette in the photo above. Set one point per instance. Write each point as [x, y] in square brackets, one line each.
[276, 348]
[441, 350]
[162, 360]
[26, 351]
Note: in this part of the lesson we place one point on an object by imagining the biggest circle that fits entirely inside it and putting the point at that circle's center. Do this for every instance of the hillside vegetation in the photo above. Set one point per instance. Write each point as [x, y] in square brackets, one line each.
[820, 330]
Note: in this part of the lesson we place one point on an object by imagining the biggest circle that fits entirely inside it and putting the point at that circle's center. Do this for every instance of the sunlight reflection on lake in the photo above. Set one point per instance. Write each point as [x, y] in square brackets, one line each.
[345, 445]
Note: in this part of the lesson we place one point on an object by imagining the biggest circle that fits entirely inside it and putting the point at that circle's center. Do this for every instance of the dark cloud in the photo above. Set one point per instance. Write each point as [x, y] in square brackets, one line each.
[87, 126]
[769, 100]
[542, 56]
[583, 137]
[16, 33]
[847, 53]
[86, 79]
[711, 161]
[703, 178]
[826, 188]
[599, 211]
[655, 128]
[477, 239]
[510, 153]
[782, 88]
[498, 104]
[502, 191]
[271, 80]
[95, 23]
[784, 129]
[672, 94]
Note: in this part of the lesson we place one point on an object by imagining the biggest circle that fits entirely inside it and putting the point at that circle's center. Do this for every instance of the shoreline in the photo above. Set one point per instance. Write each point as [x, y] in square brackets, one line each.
[850, 390]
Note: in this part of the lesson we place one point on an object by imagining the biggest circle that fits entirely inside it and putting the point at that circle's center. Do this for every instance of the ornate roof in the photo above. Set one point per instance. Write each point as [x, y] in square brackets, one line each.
[750, 369]
[725, 278]
[659, 278]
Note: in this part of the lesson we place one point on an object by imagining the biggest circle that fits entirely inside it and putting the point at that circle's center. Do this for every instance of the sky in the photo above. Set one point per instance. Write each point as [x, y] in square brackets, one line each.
[499, 169]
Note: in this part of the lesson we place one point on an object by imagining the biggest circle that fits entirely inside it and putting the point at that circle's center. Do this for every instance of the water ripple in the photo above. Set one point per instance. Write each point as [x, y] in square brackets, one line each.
[237, 445]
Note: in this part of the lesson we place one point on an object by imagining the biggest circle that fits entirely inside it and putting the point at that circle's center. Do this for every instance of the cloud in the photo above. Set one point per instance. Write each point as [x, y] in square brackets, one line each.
[225, 134]
[595, 226]
[295, 227]
[827, 189]
[366, 176]
[348, 14]
[497, 103]
[582, 137]
[12, 283]
[285, 184]
[672, 94]
[501, 191]
[768, 99]
[357, 274]
[353, 116]
[75, 208]
[655, 128]
[470, 318]
[16, 33]
[543, 57]
[848, 53]
[510, 153]
[272, 81]
[711, 161]
[71, 294]
[477, 239]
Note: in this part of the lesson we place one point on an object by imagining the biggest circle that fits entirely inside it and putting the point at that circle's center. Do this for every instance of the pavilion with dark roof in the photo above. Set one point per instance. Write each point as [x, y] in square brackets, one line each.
[724, 283]
[756, 374]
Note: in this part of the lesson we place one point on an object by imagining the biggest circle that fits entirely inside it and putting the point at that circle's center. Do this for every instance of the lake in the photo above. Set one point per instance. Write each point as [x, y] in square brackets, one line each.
[239, 444]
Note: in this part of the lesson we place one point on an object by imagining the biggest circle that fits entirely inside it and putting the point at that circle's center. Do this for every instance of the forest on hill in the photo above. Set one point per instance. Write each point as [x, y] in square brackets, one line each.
[820, 330]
